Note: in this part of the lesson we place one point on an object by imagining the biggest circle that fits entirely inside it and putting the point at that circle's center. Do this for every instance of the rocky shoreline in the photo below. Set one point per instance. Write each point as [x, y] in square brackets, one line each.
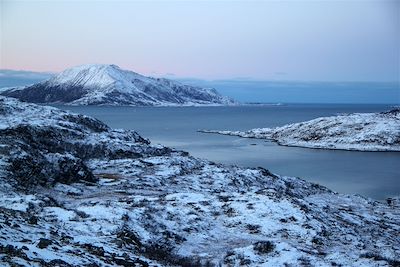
[75, 192]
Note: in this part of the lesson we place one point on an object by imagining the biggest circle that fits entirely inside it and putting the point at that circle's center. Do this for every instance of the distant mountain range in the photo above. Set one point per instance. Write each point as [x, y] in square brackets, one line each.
[13, 78]
[98, 84]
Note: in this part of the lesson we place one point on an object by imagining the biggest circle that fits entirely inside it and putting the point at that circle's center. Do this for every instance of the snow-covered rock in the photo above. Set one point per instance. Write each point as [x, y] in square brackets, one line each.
[74, 192]
[358, 131]
[98, 84]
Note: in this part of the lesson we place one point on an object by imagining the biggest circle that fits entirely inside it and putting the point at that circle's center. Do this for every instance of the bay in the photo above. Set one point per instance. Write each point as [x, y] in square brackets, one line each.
[371, 174]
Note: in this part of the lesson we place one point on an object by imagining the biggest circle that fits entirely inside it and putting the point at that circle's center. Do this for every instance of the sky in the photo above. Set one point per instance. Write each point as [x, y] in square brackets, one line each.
[261, 40]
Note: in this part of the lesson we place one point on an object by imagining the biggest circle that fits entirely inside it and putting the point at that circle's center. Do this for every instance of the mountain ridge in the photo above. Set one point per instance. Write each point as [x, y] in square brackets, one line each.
[103, 84]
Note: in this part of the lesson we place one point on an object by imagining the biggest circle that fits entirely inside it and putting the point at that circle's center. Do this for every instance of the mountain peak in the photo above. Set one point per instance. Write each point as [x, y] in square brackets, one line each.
[91, 75]
[91, 68]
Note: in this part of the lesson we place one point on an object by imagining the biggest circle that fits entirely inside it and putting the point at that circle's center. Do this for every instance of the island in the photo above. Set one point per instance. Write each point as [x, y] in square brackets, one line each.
[358, 131]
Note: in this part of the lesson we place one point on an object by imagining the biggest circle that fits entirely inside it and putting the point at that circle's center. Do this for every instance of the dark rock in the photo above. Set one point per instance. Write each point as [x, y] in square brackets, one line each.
[124, 154]
[44, 243]
[58, 263]
[126, 237]
[30, 170]
[253, 228]
[9, 250]
[90, 123]
[377, 257]
[32, 220]
[98, 251]
[264, 247]
[266, 172]
[393, 112]
[126, 262]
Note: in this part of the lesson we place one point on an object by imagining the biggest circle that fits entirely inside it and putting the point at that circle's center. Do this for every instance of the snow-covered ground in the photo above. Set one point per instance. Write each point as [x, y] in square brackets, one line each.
[358, 131]
[101, 84]
[74, 192]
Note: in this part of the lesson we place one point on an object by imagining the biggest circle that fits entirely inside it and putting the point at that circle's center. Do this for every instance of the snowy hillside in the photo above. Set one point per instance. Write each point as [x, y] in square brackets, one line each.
[109, 85]
[359, 131]
[74, 192]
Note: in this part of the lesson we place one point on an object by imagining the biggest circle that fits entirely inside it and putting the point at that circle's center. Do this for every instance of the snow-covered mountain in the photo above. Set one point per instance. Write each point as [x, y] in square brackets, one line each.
[74, 192]
[98, 84]
[358, 131]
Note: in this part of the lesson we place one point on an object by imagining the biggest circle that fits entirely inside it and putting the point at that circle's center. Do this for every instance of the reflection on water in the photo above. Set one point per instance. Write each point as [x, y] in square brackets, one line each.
[372, 174]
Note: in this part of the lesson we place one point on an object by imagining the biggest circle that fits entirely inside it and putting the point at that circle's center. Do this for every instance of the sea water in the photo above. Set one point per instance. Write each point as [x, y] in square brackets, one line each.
[371, 174]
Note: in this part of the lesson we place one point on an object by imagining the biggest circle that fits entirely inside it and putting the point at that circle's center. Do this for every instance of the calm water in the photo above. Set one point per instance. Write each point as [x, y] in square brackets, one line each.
[372, 174]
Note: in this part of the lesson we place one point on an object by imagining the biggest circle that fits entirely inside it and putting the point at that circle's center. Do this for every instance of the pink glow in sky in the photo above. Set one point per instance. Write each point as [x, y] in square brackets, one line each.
[293, 40]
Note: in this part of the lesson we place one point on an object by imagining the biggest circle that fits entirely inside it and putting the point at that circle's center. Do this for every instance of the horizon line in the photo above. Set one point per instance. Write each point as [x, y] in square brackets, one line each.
[232, 79]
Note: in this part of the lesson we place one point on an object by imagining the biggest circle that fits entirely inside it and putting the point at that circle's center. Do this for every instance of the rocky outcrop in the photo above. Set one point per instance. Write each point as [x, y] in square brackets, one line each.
[44, 150]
